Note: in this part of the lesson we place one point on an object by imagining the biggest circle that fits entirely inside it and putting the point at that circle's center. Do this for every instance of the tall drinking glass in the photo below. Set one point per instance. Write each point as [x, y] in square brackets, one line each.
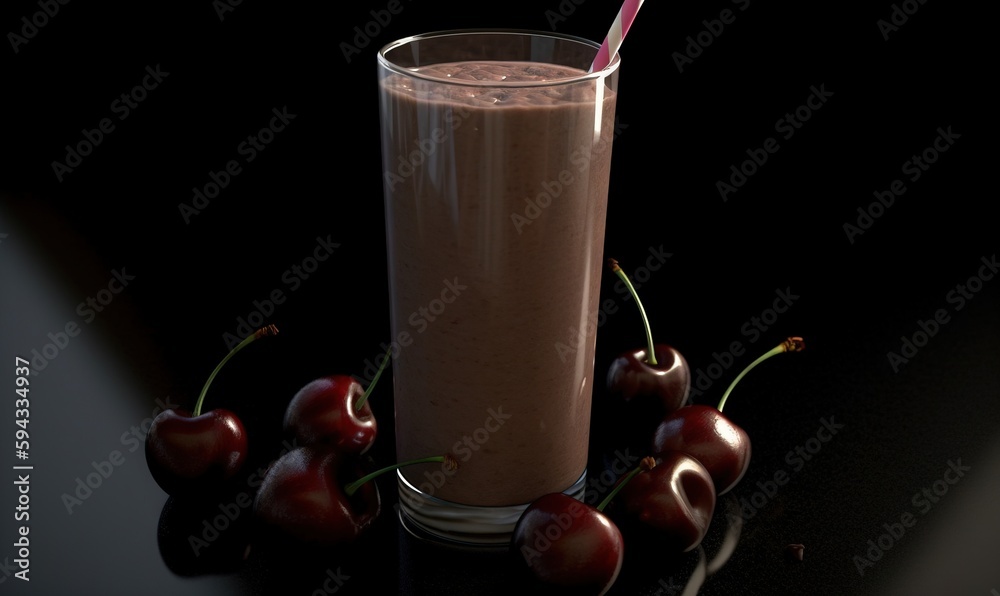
[496, 153]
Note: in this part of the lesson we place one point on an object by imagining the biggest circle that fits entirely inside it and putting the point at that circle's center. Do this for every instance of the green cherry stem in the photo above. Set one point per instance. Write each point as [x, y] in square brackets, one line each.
[368, 391]
[449, 460]
[647, 463]
[650, 353]
[262, 332]
[792, 344]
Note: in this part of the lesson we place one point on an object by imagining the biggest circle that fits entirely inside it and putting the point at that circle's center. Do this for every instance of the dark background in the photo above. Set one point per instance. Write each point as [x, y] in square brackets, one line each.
[856, 298]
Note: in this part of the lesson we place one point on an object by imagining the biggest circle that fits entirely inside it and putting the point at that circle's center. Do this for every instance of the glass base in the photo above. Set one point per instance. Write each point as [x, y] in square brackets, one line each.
[429, 518]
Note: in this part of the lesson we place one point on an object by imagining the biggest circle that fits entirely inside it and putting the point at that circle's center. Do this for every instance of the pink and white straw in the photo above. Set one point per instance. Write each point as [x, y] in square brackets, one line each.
[616, 34]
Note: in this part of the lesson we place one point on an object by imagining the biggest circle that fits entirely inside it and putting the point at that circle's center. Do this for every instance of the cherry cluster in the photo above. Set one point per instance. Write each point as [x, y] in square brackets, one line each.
[698, 454]
[317, 493]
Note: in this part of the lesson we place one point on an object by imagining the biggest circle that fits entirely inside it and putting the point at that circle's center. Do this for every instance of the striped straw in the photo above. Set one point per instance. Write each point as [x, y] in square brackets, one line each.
[616, 34]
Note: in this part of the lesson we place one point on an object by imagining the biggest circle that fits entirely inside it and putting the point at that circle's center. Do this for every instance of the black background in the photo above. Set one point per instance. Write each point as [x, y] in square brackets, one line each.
[680, 131]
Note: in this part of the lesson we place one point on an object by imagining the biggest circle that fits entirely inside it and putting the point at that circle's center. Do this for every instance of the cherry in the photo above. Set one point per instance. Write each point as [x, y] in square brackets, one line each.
[312, 494]
[703, 432]
[714, 440]
[795, 552]
[564, 542]
[657, 371]
[334, 411]
[198, 451]
[673, 497]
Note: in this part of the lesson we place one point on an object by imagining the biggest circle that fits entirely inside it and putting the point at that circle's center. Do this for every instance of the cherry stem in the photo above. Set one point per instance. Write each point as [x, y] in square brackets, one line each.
[647, 463]
[792, 344]
[368, 391]
[449, 460]
[651, 354]
[262, 332]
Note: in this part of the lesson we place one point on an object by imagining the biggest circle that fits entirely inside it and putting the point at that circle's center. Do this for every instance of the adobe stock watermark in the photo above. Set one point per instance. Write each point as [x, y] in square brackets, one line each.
[122, 107]
[465, 449]
[667, 587]
[898, 16]
[420, 320]
[132, 440]
[598, 486]
[7, 569]
[787, 126]
[88, 310]
[543, 538]
[957, 298]
[291, 279]
[248, 150]
[577, 337]
[562, 12]
[333, 582]
[753, 329]
[913, 169]
[580, 158]
[224, 7]
[32, 24]
[795, 460]
[714, 28]
[366, 33]
[230, 512]
[922, 502]
[641, 275]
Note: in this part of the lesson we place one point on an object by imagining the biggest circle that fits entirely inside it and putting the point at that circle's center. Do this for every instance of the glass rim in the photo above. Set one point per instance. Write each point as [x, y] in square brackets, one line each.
[587, 76]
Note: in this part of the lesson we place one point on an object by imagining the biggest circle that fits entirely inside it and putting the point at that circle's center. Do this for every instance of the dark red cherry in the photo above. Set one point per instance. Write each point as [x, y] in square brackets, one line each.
[706, 434]
[320, 496]
[656, 373]
[709, 436]
[569, 544]
[631, 376]
[323, 413]
[302, 495]
[186, 452]
[674, 499]
[334, 411]
[198, 451]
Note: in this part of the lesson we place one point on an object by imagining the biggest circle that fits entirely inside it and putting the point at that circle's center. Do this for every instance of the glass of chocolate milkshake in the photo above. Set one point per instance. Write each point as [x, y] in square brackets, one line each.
[496, 152]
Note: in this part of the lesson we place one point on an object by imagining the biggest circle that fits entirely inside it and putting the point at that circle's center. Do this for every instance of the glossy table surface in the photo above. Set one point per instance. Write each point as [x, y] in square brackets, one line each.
[817, 171]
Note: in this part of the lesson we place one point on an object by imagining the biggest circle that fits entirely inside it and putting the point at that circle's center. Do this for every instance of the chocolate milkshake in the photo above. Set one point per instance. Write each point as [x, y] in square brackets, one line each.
[496, 181]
